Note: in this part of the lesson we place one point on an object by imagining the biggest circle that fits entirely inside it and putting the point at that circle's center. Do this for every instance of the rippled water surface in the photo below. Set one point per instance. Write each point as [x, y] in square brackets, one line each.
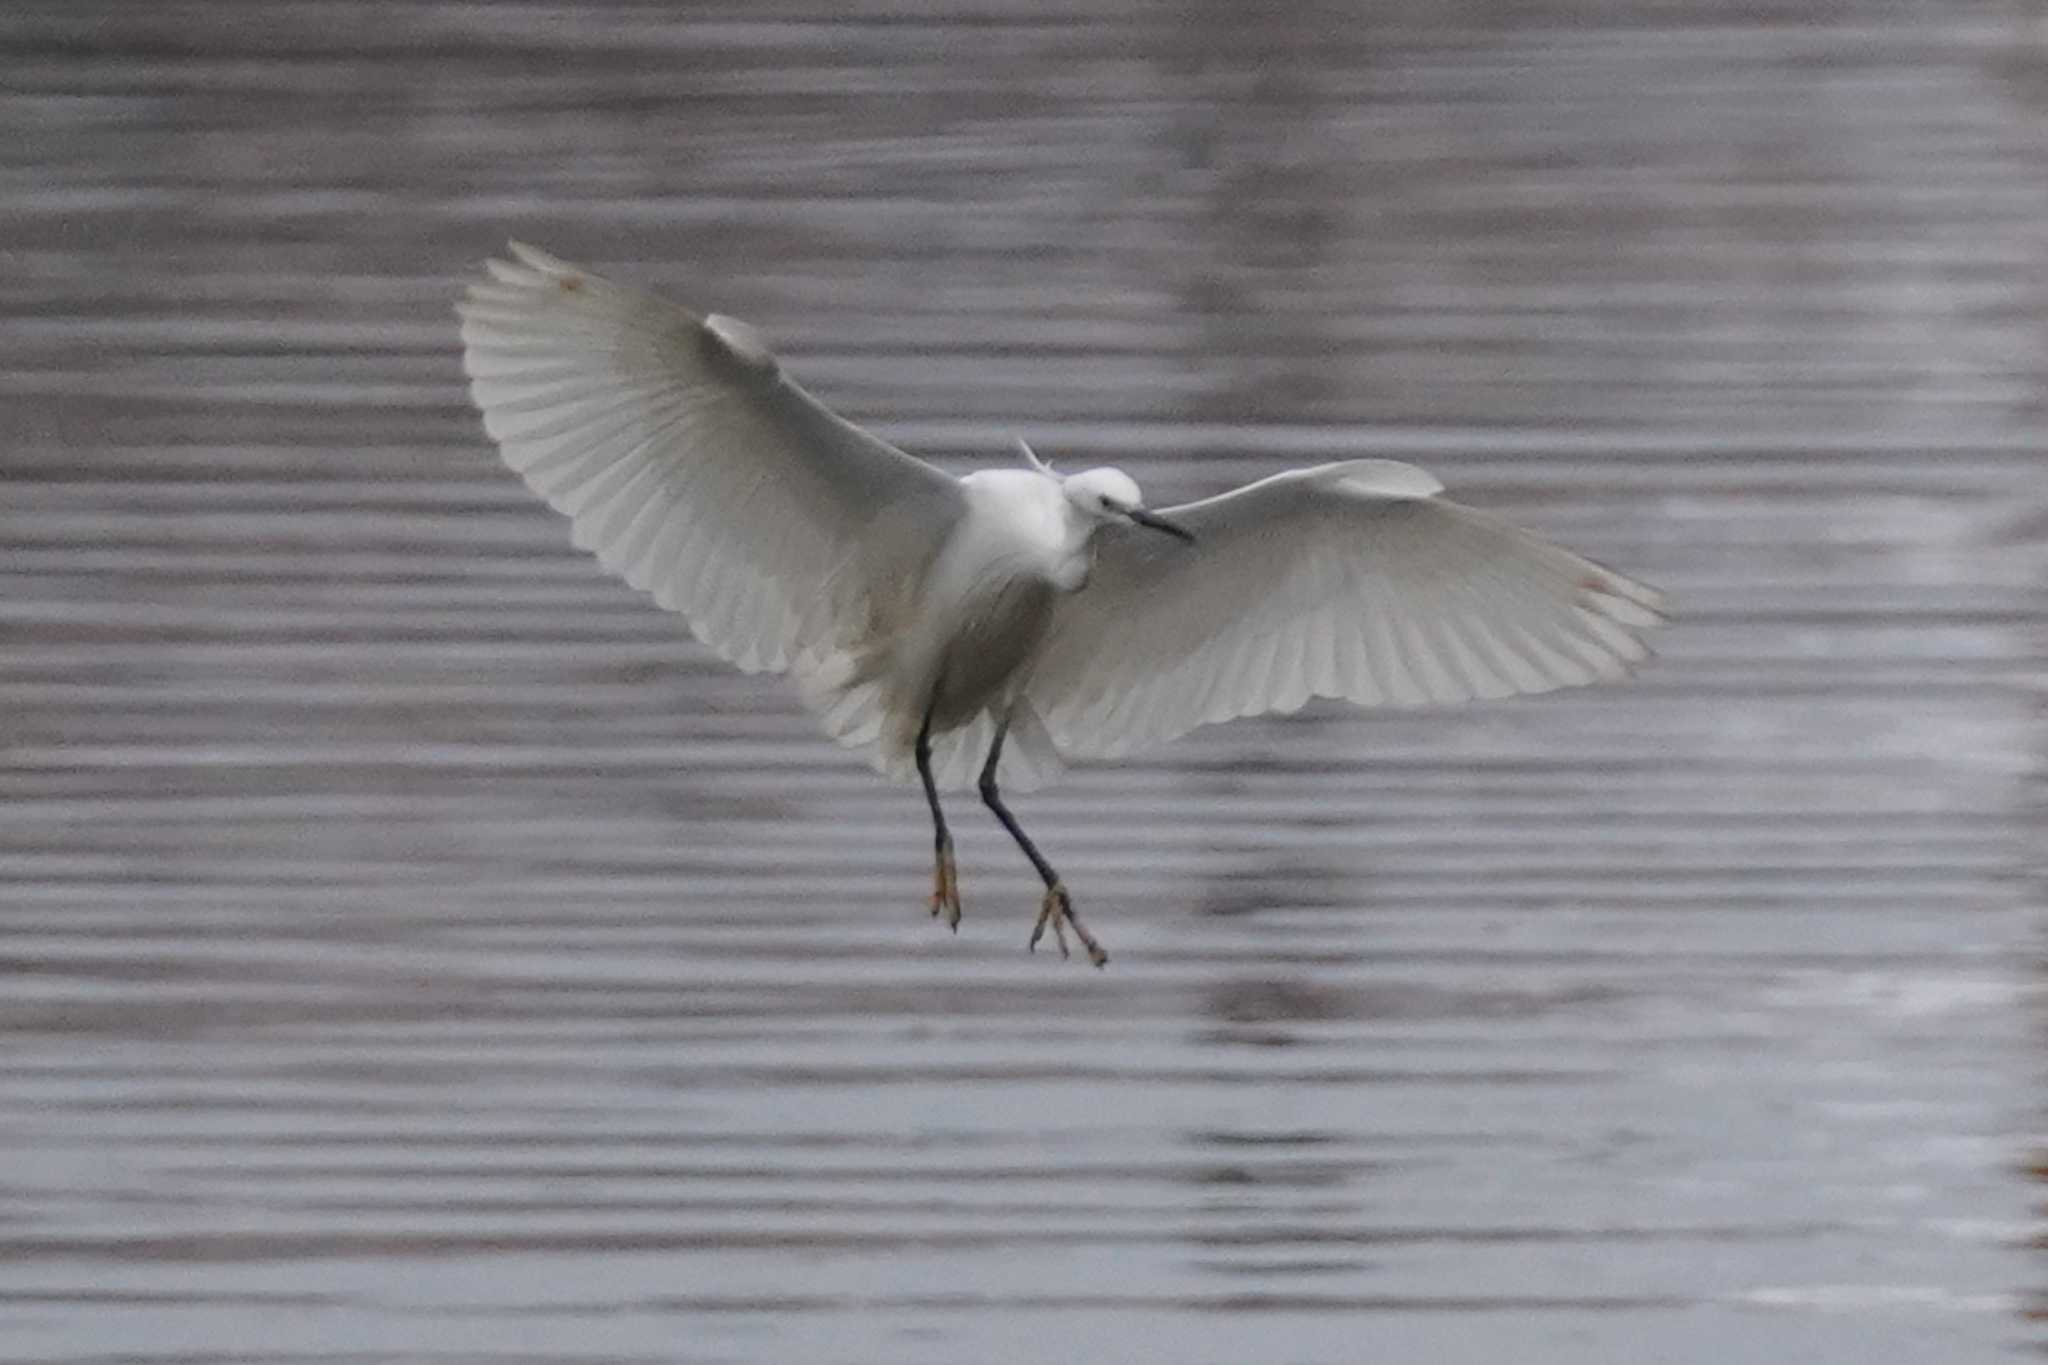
[415, 948]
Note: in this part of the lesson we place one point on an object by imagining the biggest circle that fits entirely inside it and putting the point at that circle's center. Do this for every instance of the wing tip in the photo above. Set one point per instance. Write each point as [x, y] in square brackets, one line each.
[1623, 600]
[529, 271]
[530, 255]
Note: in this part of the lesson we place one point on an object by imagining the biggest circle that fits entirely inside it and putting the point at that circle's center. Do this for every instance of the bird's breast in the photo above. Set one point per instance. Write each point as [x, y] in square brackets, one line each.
[995, 634]
[987, 603]
[1020, 523]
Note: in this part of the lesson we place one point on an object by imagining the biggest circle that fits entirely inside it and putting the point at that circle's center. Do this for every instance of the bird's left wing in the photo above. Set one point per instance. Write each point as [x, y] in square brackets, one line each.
[692, 466]
[1351, 580]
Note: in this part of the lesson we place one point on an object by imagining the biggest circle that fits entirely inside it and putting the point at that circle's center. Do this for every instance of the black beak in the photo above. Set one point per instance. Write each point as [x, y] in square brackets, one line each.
[1159, 523]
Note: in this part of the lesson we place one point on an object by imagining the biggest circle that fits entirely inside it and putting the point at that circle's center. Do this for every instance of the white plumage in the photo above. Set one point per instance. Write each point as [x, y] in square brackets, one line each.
[1056, 614]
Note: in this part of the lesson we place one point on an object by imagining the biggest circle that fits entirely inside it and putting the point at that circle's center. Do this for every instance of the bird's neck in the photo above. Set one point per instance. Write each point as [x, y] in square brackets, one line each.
[1024, 523]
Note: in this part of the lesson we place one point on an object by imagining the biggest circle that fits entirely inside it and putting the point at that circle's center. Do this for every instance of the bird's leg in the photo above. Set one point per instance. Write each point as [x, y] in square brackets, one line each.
[1057, 909]
[945, 877]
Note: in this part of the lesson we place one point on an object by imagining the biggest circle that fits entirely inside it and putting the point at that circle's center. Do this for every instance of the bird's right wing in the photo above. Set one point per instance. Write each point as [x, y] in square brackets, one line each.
[1351, 580]
[692, 466]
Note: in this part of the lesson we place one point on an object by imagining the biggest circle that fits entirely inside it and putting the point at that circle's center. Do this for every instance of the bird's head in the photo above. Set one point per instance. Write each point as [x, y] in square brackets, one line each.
[1110, 495]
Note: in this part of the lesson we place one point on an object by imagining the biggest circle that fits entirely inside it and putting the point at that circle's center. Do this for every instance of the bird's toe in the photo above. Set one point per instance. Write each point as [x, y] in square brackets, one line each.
[945, 901]
[1057, 912]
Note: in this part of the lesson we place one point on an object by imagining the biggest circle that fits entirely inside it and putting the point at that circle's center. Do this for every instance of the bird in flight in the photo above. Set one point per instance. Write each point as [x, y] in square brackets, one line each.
[986, 628]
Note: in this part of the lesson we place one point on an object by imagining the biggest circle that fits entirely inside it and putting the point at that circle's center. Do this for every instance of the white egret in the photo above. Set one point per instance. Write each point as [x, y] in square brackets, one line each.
[928, 619]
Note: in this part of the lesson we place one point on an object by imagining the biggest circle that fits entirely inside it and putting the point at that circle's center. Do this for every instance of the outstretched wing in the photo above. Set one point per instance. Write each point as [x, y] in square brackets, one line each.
[1350, 580]
[692, 466]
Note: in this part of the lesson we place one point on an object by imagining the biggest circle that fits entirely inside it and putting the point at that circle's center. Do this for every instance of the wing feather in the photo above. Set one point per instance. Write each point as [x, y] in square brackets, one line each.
[691, 466]
[1351, 580]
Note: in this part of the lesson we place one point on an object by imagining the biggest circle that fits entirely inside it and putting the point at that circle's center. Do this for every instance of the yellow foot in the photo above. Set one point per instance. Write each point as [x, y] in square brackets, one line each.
[946, 888]
[1057, 910]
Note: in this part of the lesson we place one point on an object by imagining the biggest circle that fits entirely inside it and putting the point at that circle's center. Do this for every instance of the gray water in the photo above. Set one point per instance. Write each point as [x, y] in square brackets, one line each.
[416, 948]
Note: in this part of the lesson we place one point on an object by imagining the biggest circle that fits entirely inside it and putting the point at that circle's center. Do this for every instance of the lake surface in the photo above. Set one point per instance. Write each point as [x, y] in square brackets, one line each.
[416, 948]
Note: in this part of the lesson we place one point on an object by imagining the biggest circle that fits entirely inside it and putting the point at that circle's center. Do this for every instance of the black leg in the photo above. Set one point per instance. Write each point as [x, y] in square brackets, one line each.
[945, 877]
[993, 799]
[1058, 907]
